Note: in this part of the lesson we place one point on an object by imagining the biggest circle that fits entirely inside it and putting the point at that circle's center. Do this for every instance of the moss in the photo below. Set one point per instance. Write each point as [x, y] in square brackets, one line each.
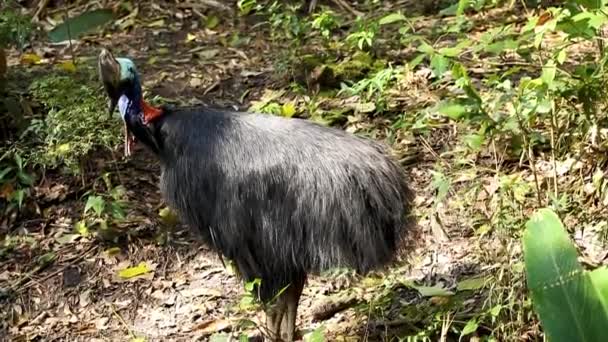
[354, 68]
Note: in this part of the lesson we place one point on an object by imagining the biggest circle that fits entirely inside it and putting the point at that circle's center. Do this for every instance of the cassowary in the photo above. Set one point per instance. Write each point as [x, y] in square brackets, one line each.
[281, 198]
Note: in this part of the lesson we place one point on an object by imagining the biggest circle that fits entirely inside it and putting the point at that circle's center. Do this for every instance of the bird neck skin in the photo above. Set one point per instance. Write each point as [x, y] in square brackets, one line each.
[132, 105]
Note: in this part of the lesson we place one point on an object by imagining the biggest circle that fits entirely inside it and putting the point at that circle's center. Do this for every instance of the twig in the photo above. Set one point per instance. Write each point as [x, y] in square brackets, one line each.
[122, 320]
[66, 14]
[41, 7]
[344, 5]
[328, 309]
[531, 158]
[74, 260]
[203, 4]
[553, 148]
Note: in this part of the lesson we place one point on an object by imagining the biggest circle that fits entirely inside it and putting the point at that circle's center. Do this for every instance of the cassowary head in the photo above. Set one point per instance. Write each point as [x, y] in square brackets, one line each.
[123, 87]
[118, 75]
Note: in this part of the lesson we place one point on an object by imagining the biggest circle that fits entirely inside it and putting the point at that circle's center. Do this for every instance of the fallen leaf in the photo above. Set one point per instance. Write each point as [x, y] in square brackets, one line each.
[432, 291]
[168, 217]
[288, 110]
[157, 23]
[190, 37]
[207, 54]
[112, 251]
[212, 22]
[195, 82]
[68, 66]
[85, 298]
[213, 326]
[134, 271]
[67, 238]
[102, 323]
[30, 58]
[366, 107]
[7, 190]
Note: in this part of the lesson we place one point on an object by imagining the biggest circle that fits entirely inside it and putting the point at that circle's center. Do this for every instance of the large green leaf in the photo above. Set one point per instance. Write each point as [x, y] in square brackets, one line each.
[81, 24]
[571, 302]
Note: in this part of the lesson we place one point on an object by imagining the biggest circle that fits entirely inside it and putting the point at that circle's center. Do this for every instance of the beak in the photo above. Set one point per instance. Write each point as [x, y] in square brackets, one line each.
[109, 74]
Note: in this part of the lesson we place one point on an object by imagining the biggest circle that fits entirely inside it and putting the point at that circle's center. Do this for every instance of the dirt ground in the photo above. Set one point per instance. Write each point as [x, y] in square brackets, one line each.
[190, 295]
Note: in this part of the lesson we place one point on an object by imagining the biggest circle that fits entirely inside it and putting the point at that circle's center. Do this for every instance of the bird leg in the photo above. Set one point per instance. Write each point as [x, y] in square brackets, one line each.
[274, 317]
[291, 297]
[281, 317]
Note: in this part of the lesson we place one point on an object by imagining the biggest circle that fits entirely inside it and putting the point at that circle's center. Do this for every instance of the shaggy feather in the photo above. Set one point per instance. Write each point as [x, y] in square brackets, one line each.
[281, 197]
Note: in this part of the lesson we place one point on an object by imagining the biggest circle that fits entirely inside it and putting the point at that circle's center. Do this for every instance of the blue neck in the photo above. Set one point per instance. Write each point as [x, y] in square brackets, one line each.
[129, 104]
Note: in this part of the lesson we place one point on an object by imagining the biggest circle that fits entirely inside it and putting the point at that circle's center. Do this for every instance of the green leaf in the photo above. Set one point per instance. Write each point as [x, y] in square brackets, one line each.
[475, 141]
[590, 4]
[25, 178]
[212, 22]
[426, 48]
[19, 162]
[5, 172]
[462, 5]
[168, 217]
[441, 184]
[19, 196]
[432, 291]
[46, 259]
[82, 228]
[495, 311]
[316, 335]
[131, 272]
[548, 74]
[97, 203]
[246, 6]
[439, 64]
[250, 285]
[288, 109]
[391, 18]
[81, 24]
[117, 211]
[572, 304]
[470, 327]
[118, 193]
[561, 56]
[500, 46]
[472, 284]
[452, 110]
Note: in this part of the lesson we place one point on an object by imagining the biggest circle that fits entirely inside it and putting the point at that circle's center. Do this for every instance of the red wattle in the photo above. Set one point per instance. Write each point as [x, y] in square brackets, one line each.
[150, 113]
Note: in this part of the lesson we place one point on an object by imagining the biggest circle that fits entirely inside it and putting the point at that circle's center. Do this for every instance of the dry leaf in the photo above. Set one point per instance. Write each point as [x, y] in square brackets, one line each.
[102, 323]
[210, 327]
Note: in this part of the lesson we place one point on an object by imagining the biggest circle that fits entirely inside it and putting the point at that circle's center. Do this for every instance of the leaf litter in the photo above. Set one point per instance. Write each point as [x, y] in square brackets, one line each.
[68, 287]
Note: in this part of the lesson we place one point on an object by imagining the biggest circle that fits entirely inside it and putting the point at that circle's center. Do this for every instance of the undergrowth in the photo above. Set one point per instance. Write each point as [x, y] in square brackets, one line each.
[505, 103]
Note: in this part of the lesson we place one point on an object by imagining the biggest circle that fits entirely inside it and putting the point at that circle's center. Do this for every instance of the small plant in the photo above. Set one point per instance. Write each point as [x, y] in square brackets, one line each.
[364, 36]
[102, 210]
[285, 23]
[325, 22]
[15, 28]
[373, 89]
[76, 123]
[246, 6]
[15, 181]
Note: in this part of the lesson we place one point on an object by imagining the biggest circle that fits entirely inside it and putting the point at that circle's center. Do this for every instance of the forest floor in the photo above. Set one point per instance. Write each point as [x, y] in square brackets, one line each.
[56, 285]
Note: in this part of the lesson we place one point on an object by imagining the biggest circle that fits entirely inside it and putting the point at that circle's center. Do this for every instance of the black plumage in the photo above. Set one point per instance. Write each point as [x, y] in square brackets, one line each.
[282, 198]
